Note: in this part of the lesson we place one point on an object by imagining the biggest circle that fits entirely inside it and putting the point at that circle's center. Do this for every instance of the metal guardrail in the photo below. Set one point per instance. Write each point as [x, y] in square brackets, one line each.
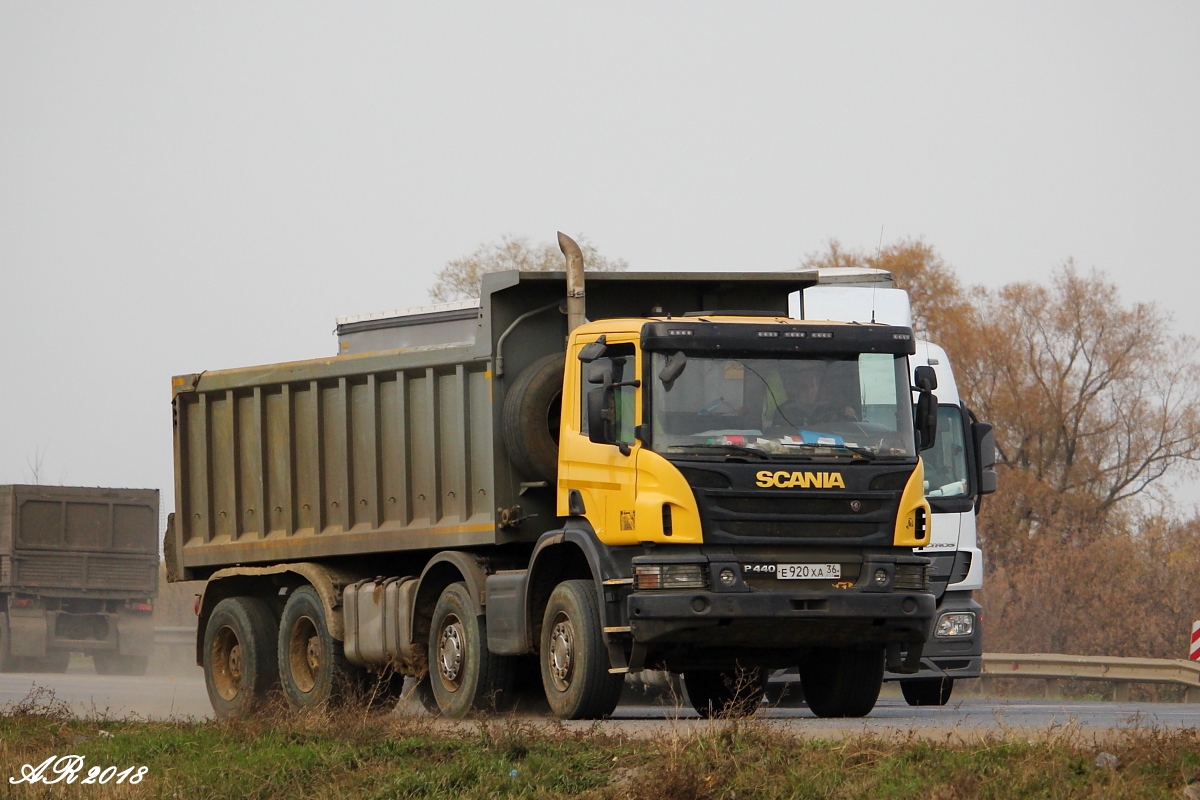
[1121, 671]
[1050, 667]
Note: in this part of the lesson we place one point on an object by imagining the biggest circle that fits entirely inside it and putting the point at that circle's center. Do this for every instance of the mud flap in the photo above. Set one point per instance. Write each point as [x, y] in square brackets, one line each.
[135, 634]
[27, 634]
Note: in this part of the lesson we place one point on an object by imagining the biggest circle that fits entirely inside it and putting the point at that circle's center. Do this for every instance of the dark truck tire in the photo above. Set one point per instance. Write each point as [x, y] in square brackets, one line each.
[240, 667]
[573, 655]
[422, 690]
[313, 669]
[843, 682]
[464, 676]
[115, 664]
[531, 417]
[927, 691]
[725, 694]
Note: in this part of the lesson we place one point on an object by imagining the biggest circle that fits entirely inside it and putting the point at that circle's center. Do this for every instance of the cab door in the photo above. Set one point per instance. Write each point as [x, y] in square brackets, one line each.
[604, 475]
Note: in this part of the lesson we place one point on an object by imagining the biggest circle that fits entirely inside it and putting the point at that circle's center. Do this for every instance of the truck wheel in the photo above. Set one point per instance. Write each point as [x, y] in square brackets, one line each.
[312, 666]
[927, 691]
[843, 682]
[7, 661]
[531, 417]
[724, 694]
[422, 690]
[574, 658]
[463, 674]
[240, 668]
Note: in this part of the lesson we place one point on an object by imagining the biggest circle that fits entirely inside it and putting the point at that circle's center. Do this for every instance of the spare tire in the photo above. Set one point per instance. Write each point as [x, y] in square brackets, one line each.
[531, 417]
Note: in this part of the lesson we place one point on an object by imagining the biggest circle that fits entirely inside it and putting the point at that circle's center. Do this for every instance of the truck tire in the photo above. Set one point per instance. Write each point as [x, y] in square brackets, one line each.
[422, 691]
[464, 675]
[7, 660]
[114, 664]
[927, 691]
[573, 655]
[843, 682]
[240, 667]
[313, 669]
[725, 694]
[531, 417]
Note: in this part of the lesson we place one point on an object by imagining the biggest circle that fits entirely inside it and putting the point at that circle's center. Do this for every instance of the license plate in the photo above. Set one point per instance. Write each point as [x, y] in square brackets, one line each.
[800, 572]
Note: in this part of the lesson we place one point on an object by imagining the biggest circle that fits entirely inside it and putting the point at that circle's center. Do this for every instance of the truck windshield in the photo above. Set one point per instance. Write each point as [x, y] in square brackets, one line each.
[854, 406]
[946, 462]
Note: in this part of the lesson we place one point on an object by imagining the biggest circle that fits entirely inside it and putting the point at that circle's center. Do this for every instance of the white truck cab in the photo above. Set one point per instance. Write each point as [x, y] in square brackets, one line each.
[958, 472]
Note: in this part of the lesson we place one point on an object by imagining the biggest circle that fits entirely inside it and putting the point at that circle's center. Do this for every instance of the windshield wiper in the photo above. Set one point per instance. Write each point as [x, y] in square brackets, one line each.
[865, 452]
[736, 448]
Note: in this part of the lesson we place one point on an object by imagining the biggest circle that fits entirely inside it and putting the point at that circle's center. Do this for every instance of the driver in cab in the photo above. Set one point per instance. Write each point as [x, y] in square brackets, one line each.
[806, 405]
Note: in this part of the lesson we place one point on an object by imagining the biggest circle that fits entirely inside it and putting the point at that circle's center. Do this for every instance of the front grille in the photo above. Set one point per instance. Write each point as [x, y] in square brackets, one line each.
[797, 505]
[809, 530]
[911, 578]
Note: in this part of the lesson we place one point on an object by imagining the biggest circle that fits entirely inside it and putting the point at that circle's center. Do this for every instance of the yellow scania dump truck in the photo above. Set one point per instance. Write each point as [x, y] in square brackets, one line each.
[675, 476]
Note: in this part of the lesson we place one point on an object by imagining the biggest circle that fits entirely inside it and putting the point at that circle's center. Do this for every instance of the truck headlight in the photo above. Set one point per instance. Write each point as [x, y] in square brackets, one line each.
[670, 576]
[955, 623]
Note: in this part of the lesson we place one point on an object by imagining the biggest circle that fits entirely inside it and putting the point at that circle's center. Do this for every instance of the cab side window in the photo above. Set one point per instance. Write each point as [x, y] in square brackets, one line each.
[623, 360]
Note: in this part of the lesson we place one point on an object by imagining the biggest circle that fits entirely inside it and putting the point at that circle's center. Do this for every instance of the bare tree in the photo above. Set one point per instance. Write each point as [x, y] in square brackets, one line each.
[940, 305]
[461, 277]
[35, 466]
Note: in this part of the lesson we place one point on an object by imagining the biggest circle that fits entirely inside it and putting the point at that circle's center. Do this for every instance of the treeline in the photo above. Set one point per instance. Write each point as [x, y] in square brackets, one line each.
[1096, 404]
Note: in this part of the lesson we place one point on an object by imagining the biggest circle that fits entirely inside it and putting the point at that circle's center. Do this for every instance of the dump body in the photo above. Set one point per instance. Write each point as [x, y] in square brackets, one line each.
[78, 573]
[79, 542]
[397, 450]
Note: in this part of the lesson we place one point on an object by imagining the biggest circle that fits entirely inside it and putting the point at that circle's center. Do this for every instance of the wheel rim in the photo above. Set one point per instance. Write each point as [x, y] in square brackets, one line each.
[304, 654]
[451, 649]
[227, 666]
[560, 655]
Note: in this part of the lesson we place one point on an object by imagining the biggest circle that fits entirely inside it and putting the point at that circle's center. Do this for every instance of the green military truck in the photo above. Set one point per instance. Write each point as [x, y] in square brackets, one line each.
[78, 574]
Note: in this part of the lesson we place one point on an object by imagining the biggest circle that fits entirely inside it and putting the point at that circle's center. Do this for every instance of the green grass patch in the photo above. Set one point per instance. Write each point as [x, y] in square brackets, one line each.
[346, 754]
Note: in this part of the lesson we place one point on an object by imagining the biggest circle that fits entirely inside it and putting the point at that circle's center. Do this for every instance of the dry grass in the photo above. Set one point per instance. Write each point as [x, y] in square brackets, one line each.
[350, 753]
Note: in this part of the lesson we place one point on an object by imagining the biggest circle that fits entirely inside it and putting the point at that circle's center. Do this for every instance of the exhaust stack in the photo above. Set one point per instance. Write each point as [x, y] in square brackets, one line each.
[576, 301]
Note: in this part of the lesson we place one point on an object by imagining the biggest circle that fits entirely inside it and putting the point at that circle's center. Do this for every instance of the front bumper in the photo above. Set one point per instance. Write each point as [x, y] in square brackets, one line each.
[958, 657]
[779, 619]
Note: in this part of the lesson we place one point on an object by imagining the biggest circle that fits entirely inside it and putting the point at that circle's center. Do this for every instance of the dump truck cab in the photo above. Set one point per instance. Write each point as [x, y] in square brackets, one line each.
[758, 481]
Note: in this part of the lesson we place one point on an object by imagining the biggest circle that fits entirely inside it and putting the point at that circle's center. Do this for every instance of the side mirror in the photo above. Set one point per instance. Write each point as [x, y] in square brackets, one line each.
[926, 378]
[600, 372]
[601, 411]
[984, 439]
[593, 350]
[925, 420]
[672, 370]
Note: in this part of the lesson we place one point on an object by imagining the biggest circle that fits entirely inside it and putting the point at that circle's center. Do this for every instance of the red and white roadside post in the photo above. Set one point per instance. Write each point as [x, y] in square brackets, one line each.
[1192, 694]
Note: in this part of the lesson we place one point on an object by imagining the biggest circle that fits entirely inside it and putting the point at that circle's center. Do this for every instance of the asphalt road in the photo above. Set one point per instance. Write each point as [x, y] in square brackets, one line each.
[183, 695]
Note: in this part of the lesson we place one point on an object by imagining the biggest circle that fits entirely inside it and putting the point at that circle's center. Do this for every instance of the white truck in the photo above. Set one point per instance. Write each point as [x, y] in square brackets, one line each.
[958, 472]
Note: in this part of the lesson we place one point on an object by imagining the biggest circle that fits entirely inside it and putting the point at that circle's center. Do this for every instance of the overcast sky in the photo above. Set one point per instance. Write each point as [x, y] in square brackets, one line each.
[189, 186]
